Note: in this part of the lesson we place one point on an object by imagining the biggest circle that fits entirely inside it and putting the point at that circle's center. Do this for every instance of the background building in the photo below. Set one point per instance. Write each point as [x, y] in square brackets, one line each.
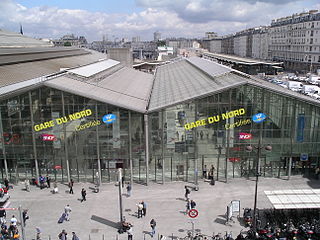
[295, 40]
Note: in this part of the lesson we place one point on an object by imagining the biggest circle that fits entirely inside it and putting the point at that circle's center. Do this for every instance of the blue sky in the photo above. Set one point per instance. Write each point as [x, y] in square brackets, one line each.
[129, 18]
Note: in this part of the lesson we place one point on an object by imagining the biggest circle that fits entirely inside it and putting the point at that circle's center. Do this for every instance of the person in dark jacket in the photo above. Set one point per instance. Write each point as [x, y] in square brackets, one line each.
[83, 194]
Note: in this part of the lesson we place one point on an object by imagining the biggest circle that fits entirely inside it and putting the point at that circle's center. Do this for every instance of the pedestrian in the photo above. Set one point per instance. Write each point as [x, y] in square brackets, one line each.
[63, 235]
[41, 181]
[130, 232]
[188, 206]
[6, 183]
[13, 221]
[71, 186]
[140, 208]
[153, 227]
[144, 209]
[48, 179]
[187, 193]
[317, 171]
[122, 181]
[83, 194]
[3, 216]
[25, 216]
[38, 233]
[74, 236]
[204, 172]
[211, 173]
[55, 188]
[97, 179]
[129, 188]
[67, 211]
[192, 204]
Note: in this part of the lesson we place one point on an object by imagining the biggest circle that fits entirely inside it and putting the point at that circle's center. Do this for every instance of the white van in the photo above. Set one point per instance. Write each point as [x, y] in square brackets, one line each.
[310, 89]
[294, 86]
[314, 80]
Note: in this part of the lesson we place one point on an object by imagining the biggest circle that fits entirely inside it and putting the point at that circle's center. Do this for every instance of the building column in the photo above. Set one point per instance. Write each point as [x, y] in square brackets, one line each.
[3, 149]
[65, 139]
[162, 145]
[33, 138]
[98, 148]
[130, 149]
[146, 126]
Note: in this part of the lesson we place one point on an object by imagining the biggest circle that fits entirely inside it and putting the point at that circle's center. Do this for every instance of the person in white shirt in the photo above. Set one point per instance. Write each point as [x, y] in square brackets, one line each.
[13, 221]
[67, 211]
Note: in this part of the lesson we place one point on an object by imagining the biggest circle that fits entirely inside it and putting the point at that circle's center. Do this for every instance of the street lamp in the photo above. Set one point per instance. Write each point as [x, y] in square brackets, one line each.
[250, 149]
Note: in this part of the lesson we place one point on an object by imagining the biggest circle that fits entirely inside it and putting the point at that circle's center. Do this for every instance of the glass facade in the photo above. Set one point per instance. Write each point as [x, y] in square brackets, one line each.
[50, 132]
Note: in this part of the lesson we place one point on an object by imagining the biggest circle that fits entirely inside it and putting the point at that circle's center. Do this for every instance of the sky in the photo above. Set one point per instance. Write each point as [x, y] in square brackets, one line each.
[128, 18]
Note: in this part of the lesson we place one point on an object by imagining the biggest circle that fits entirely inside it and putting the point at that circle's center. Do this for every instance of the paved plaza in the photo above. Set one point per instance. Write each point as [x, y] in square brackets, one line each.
[95, 218]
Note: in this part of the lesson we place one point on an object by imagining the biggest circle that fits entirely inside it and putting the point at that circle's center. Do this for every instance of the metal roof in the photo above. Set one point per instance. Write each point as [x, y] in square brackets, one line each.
[242, 60]
[188, 79]
[11, 39]
[92, 69]
[207, 66]
[37, 55]
[294, 199]
[126, 88]
[14, 73]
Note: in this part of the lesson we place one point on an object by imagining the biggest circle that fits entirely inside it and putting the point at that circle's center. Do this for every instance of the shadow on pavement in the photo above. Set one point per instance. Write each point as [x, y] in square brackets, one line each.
[220, 220]
[181, 199]
[105, 221]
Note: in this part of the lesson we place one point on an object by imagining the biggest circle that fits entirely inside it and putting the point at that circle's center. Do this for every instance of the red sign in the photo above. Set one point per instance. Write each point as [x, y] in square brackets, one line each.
[193, 213]
[48, 137]
[245, 136]
[234, 159]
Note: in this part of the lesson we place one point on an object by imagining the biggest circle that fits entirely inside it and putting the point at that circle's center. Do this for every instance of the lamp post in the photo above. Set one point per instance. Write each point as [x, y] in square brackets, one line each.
[250, 149]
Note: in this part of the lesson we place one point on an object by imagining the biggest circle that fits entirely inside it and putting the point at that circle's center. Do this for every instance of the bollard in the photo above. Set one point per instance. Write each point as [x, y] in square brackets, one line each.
[49, 237]
[117, 237]
[102, 236]
[172, 236]
[158, 236]
[144, 236]
[89, 237]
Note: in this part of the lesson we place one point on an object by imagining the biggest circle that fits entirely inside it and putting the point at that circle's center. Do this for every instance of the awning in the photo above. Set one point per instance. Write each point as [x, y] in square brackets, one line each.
[294, 199]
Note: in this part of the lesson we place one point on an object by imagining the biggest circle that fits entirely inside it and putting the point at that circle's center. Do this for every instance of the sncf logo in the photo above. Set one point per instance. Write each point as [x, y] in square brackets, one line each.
[245, 136]
[48, 137]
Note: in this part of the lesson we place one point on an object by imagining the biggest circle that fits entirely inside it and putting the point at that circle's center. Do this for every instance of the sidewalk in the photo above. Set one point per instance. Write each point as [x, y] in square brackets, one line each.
[95, 218]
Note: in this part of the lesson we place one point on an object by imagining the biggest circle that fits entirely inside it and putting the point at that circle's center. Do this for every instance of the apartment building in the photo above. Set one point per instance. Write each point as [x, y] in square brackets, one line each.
[295, 40]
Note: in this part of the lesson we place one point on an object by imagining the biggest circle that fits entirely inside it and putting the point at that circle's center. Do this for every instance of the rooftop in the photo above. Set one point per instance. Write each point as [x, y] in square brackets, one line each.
[17, 40]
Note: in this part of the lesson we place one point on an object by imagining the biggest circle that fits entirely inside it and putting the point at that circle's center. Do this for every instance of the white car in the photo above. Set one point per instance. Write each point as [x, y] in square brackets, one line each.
[316, 96]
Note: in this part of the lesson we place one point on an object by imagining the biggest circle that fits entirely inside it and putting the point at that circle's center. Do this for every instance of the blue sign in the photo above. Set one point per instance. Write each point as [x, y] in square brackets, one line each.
[300, 128]
[259, 117]
[109, 118]
[304, 157]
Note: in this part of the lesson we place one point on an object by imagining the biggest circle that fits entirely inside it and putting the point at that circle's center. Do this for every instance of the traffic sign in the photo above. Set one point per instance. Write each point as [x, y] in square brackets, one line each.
[193, 213]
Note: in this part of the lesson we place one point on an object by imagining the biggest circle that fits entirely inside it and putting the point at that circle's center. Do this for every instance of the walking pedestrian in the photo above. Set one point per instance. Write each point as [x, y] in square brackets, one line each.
[74, 236]
[63, 235]
[130, 232]
[187, 192]
[140, 208]
[6, 183]
[144, 209]
[38, 233]
[153, 227]
[204, 172]
[129, 188]
[13, 221]
[25, 216]
[83, 194]
[71, 186]
[192, 204]
[67, 211]
[48, 179]
[188, 206]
